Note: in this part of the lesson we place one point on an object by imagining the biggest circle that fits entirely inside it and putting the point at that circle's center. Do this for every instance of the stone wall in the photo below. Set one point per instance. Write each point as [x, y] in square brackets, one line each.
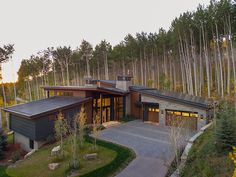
[166, 104]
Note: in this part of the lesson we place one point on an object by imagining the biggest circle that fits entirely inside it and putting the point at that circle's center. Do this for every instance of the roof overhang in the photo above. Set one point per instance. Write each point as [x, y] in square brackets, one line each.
[16, 110]
[147, 91]
[105, 90]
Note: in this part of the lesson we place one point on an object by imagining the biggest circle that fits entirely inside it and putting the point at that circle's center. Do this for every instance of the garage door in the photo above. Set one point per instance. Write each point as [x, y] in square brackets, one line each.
[182, 119]
[153, 115]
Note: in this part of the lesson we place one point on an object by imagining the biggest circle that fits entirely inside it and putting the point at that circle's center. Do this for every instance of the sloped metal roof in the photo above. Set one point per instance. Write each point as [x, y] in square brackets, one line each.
[43, 106]
[111, 89]
[174, 96]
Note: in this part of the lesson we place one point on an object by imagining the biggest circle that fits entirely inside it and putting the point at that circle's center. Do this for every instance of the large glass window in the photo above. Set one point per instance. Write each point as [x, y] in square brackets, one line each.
[119, 108]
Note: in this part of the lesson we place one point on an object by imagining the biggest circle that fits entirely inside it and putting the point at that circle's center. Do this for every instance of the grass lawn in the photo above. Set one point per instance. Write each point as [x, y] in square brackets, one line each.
[205, 161]
[3, 172]
[9, 138]
[111, 158]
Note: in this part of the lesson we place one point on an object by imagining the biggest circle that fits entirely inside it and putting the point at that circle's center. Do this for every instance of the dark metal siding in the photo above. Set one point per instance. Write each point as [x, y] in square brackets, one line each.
[23, 126]
[44, 128]
[70, 115]
[40, 128]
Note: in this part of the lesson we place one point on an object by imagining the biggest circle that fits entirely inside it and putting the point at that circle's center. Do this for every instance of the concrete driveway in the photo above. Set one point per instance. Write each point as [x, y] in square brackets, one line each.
[151, 144]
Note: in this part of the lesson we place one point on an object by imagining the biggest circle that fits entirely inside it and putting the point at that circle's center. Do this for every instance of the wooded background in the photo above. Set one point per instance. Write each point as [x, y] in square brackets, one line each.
[195, 56]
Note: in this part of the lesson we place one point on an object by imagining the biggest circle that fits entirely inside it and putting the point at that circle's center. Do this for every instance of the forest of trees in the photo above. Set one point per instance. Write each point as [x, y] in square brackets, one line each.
[195, 56]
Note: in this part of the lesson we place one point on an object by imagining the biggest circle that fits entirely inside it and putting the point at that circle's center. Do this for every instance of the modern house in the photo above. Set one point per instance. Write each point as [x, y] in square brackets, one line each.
[33, 122]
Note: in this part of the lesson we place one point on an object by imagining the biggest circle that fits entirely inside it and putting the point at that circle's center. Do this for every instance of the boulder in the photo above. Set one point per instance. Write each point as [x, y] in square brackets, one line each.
[90, 156]
[56, 150]
[53, 166]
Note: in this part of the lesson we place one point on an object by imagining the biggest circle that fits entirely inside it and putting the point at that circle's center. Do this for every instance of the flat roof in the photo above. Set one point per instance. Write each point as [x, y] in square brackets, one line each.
[36, 108]
[174, 96]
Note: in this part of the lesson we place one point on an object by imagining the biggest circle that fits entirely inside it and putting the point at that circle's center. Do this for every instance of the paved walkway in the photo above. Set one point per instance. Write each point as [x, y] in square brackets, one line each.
[151, 144]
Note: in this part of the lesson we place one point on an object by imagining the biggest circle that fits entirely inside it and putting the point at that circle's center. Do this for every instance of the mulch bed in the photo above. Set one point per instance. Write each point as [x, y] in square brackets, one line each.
[11, 148]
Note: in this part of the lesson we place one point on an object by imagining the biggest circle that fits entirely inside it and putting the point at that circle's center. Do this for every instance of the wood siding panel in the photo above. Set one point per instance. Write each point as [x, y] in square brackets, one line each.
[136, 111]
[89, 111]
[80, 93]
[153, 117]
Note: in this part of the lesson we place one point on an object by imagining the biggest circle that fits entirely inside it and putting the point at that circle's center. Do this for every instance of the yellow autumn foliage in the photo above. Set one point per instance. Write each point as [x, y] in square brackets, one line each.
[232, 156]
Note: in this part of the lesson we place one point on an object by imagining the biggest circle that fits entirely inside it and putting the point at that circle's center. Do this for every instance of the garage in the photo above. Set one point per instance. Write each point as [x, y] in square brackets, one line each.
[151, 112]
[182, 118]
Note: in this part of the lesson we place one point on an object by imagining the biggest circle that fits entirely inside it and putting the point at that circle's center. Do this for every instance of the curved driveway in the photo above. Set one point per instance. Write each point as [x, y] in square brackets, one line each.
[151, 144]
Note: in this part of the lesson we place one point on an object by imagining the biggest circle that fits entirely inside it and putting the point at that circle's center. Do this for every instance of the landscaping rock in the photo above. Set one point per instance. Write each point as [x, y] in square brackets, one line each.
[53, 166]
[56, 150]
[90, 156]
[29, 153]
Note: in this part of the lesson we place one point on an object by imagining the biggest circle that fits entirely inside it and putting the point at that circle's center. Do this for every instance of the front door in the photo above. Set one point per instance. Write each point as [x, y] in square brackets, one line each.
[153, 115]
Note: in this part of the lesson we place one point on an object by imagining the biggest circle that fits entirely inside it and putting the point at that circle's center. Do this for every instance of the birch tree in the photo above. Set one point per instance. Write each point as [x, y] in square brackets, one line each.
[61, 130]
[86, 51]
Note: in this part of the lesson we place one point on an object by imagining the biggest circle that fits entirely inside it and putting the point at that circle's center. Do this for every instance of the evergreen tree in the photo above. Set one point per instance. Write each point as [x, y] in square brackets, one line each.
[226, 127]
[3, 142]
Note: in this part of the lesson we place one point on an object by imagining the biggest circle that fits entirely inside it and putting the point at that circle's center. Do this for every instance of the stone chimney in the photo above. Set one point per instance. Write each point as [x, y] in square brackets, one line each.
[123, 82]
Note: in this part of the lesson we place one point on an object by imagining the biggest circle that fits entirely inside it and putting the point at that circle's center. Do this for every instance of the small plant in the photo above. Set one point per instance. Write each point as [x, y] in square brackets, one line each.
[50, 139]
[82, 121]
[15, 156]
[96, 123]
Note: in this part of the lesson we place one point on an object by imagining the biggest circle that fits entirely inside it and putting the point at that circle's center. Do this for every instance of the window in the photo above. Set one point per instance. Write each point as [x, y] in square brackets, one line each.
[177, 113]
[153, 110]
[194, 115]
[64, 93]
[186, 114]
[31, 144]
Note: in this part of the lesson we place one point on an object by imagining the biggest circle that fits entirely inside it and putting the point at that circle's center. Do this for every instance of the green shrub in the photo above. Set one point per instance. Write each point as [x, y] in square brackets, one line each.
[50, 139]
[15, 156]
[3, 142]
